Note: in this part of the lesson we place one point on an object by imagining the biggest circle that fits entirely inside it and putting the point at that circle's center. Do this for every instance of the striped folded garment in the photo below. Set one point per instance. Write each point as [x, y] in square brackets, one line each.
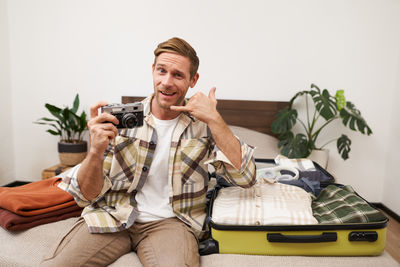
[335, 205]
[263, 204]
[301, 164]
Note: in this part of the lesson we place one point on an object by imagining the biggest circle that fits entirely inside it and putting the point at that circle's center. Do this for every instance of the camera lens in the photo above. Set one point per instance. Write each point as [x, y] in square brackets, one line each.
[129, 120]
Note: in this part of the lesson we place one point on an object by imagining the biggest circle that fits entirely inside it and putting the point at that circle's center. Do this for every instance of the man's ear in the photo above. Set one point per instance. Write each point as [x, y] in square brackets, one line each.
[194, 80]
[152, 67]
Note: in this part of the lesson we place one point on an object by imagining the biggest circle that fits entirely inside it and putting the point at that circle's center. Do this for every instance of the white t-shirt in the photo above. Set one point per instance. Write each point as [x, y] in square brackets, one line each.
[153, 200]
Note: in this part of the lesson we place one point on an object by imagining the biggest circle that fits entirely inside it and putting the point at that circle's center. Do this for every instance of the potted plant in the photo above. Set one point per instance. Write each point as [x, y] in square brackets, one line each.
[326, 109]
[69, 126]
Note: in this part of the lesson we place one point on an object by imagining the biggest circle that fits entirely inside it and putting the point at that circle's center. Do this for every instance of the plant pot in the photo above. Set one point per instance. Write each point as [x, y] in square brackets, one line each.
[320, 156]
[71, 154]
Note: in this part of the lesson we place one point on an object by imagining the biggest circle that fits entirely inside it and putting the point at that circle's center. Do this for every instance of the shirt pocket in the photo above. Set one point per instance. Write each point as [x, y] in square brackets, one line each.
[193, 153]
[124, 162]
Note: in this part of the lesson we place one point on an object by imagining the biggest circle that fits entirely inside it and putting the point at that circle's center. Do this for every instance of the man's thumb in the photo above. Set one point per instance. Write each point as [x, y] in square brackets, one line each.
[211, 94]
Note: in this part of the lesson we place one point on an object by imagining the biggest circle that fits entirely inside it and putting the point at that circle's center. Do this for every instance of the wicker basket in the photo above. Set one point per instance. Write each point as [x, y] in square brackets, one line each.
[71, 154]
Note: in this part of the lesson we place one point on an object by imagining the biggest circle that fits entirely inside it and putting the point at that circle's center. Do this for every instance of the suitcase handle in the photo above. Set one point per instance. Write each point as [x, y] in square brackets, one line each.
[324, 237]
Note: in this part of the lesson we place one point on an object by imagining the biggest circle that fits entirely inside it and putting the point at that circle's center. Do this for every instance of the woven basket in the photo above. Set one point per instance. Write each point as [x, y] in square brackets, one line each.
[71, 154]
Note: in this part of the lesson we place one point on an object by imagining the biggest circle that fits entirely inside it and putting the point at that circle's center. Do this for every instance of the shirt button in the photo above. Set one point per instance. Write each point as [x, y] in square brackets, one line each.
[124, 225]
[258, 222]
[151, 143]
[144, 168]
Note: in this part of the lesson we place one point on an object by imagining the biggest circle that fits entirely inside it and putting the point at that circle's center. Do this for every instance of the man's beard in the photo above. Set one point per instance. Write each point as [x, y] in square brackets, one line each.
[167, 106]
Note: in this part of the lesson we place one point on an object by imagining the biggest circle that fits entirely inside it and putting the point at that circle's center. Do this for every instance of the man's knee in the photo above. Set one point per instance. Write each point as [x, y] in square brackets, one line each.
[80, 247]
[169, 243]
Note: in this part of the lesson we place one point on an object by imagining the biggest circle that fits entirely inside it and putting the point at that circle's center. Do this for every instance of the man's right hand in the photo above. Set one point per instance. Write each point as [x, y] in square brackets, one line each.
[101, 129]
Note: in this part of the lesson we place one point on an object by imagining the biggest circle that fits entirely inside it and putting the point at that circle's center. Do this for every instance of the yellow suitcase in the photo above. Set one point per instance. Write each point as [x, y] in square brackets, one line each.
[350, 239]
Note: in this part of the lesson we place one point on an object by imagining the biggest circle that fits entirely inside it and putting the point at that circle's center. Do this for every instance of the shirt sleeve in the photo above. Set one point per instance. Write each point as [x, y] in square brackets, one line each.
[70, 183]
[245, 176]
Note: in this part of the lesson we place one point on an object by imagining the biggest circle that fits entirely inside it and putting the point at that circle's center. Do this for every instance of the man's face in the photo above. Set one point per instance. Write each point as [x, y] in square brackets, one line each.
[171, 79]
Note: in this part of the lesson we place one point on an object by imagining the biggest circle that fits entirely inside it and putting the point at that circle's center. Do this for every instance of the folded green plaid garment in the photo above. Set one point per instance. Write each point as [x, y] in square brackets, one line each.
[335, 205]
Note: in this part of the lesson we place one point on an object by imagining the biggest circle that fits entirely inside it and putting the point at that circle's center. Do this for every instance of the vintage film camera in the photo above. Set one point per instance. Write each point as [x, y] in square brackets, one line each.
[129, 115]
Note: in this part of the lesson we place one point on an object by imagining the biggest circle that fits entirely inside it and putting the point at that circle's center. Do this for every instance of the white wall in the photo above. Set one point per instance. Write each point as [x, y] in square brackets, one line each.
[262, 50]
[6, 133]
[391, 196]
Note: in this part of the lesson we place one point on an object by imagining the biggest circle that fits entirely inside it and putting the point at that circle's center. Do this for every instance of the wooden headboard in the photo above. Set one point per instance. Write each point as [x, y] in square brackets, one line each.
[250, 114]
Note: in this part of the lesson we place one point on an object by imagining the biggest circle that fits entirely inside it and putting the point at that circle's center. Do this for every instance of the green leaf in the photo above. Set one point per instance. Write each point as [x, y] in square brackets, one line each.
[297, 95]
[66, 113]
[352, 118]
[285, 138]
[46, 119]
[83, 121]
[285, 119]
[54, 132]
[343, 146]
[340, 99]
[76, 104]
[47, 123]
[324, 102]
[55, 111]
[295, 147]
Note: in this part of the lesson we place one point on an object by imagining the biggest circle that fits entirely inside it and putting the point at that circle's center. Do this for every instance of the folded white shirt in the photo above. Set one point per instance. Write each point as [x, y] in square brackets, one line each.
[265, 203]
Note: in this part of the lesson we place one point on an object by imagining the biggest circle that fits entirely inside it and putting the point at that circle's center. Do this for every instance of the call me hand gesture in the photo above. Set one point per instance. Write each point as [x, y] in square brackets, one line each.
[205, 109]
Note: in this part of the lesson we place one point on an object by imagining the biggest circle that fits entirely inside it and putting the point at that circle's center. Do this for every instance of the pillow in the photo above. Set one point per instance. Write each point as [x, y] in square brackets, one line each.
[266, 145]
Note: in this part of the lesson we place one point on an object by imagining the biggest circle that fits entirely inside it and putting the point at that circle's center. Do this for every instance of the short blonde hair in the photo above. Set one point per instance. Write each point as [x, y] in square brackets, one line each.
[181, 47]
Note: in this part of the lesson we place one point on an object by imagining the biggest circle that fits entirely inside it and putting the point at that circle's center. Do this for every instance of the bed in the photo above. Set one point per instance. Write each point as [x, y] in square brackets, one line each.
[250, 120]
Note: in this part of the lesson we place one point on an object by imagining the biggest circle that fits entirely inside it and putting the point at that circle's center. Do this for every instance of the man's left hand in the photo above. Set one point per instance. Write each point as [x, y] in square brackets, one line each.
[202, 107]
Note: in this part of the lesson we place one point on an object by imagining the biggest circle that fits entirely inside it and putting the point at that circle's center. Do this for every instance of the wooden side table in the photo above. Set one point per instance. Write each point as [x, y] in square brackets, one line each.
[54, 170]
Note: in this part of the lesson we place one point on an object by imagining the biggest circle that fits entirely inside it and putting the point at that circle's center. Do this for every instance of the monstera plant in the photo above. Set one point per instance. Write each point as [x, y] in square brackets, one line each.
[321, 109]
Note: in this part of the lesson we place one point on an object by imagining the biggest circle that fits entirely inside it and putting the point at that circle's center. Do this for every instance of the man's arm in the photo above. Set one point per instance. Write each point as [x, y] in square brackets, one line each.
[90, 174]
[205, 109]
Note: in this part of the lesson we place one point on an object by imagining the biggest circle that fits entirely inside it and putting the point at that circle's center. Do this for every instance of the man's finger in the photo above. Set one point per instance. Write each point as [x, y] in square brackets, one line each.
[103, 118]
[211, 94]
[179, 108]
[94, 109]
[107, 117]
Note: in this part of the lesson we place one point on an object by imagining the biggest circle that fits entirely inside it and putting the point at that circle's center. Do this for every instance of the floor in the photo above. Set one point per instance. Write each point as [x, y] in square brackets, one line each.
[393, 238]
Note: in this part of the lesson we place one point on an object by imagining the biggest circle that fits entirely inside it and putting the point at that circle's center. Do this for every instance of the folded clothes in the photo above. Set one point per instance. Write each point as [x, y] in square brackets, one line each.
[266, 203]
[14, 222]
[314, 176]
[300, 164]
[35, 198]
[309, 180]
[335, 205]
[278, 173]
[310, 186]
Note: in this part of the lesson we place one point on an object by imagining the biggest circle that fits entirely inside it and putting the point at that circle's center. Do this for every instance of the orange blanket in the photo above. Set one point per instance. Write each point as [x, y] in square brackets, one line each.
[35, 198]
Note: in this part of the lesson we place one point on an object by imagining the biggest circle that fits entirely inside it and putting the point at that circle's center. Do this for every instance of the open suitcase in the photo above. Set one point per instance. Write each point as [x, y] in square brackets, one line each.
[347, 239]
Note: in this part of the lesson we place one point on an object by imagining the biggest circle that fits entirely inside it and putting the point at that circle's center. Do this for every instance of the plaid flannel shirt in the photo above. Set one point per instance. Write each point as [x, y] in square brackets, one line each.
[126, 166]
[335, 205]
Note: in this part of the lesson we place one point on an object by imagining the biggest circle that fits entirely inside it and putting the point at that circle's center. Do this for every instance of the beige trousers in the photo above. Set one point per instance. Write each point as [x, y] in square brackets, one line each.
[168, 242]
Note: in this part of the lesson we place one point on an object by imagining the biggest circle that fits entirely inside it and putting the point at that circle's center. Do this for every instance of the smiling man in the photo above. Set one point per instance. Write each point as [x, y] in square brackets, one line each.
[172, 79]
[146, 190]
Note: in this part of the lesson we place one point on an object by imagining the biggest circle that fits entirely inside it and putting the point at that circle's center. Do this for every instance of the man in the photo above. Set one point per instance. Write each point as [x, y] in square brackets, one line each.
[145, 190]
